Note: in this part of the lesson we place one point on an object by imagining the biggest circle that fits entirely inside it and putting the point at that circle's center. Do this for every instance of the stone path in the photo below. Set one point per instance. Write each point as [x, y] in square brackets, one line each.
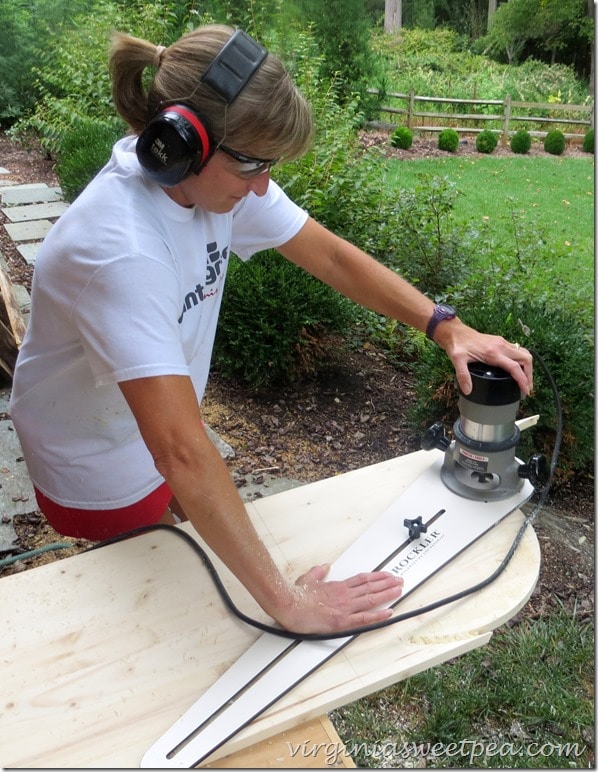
[32, 210]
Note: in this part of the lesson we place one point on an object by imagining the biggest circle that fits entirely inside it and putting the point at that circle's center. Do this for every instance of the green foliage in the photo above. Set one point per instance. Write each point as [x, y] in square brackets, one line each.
[85, 148]
[256, 17]
[273, 319]
[337, 182]
[554, 142]
[556, 28]
[342, 31]
[523, 700]
[431, 251]
[27, 30]
[402, 137]
[521, 142]
[486, 141]
[588, 141]
[436, 63]
[72, 79]
[448, 140]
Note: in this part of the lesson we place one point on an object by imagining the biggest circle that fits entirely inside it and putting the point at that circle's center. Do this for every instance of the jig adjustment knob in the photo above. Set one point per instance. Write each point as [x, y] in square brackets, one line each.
[435, 437]
[536, 470]
[415, 526]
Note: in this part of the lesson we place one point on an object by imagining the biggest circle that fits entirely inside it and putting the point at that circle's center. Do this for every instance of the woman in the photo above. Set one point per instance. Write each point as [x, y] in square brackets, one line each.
[126, 294]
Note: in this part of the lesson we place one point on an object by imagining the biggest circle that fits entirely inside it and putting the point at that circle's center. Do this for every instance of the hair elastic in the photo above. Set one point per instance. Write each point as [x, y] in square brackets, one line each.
[157, 61]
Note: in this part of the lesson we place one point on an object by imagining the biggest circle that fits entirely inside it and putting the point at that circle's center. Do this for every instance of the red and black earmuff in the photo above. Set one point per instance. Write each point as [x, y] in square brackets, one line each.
[177, 141]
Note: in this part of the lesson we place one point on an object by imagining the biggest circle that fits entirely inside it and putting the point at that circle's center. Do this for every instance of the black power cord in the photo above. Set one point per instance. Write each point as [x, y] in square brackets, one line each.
[354, 631]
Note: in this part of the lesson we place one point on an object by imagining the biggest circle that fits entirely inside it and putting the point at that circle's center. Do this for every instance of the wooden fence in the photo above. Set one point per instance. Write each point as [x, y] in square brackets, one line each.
[504, 115]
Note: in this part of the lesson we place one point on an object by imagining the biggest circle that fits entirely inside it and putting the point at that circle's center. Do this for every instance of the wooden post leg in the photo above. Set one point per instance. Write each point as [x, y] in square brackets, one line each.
[312, 745]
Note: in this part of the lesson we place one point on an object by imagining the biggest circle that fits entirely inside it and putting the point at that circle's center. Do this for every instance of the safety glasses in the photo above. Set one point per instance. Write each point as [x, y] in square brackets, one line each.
[248, 166]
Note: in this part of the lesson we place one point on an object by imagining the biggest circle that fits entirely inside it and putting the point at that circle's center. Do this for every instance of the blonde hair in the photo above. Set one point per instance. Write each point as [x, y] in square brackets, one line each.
[269, 119]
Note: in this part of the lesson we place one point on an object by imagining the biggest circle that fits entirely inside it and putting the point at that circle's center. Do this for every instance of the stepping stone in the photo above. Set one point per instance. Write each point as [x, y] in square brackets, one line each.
[16, 494]
[3, 170]
[28, 251]
[28, 231]
[31, 195]
[23, 300]
[35, 211]
[11, 185]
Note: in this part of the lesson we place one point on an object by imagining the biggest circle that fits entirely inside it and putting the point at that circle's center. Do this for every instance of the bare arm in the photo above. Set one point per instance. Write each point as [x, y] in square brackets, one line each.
[168, 415]
[366, 281]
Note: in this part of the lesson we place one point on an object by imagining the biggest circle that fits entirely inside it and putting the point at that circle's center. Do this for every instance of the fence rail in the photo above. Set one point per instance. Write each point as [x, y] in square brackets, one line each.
[417, 119]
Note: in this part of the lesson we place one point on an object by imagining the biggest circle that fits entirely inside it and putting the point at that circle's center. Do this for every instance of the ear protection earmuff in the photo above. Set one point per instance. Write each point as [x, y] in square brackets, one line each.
[177, 141]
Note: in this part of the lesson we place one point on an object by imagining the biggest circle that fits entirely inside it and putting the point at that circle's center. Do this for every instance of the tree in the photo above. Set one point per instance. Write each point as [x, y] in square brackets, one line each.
[511, 27]
[552, 30]
[393, 15]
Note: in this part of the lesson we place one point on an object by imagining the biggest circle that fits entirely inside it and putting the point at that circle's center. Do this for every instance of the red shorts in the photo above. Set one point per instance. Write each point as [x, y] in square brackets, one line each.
[99, 524]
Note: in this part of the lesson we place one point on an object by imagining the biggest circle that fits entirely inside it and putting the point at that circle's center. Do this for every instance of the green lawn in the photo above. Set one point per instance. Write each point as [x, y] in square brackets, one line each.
[554, 196]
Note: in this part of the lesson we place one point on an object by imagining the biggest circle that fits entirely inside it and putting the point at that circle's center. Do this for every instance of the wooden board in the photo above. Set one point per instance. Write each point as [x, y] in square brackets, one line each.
[102, 652]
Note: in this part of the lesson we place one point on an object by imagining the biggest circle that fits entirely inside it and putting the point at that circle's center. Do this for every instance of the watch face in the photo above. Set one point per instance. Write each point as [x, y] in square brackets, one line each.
[443, 310]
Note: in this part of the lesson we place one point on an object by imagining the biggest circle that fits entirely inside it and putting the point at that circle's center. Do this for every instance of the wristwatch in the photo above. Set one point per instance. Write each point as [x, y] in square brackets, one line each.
[442, 312]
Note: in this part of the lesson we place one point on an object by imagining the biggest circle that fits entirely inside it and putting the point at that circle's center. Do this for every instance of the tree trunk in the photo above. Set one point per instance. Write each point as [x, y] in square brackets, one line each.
[393, 15]
[491, 10]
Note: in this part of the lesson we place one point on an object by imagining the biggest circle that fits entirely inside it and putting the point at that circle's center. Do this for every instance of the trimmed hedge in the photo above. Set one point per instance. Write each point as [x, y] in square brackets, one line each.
[448, 140]
[521, 142]
[554, 142]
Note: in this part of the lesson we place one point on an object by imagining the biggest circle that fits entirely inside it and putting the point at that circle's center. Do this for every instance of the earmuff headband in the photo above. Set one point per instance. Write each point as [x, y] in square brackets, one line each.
[235, 65]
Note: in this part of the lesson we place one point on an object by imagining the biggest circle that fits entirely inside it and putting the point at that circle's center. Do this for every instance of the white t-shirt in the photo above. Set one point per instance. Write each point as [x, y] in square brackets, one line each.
[127, 284]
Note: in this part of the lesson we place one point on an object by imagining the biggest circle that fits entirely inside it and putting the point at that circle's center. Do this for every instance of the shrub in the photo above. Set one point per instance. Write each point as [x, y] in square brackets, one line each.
[588, 142]
[432, 251]
[554, 142]
[273, 319]
[521, 142]
[486, 141]
[448, 140]
[402, 137]
[86, 147]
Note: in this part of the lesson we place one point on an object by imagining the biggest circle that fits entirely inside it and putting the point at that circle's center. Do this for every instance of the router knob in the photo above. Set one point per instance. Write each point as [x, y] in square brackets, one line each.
[435, 437]
[415, 527]
[536, 470]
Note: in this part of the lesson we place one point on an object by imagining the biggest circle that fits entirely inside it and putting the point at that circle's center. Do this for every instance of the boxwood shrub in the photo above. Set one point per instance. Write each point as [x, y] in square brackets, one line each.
[588, 141]
[554, 142]
[486, 141]
[274, 319]
[521, 142]
[448, 140]
[402, 137]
